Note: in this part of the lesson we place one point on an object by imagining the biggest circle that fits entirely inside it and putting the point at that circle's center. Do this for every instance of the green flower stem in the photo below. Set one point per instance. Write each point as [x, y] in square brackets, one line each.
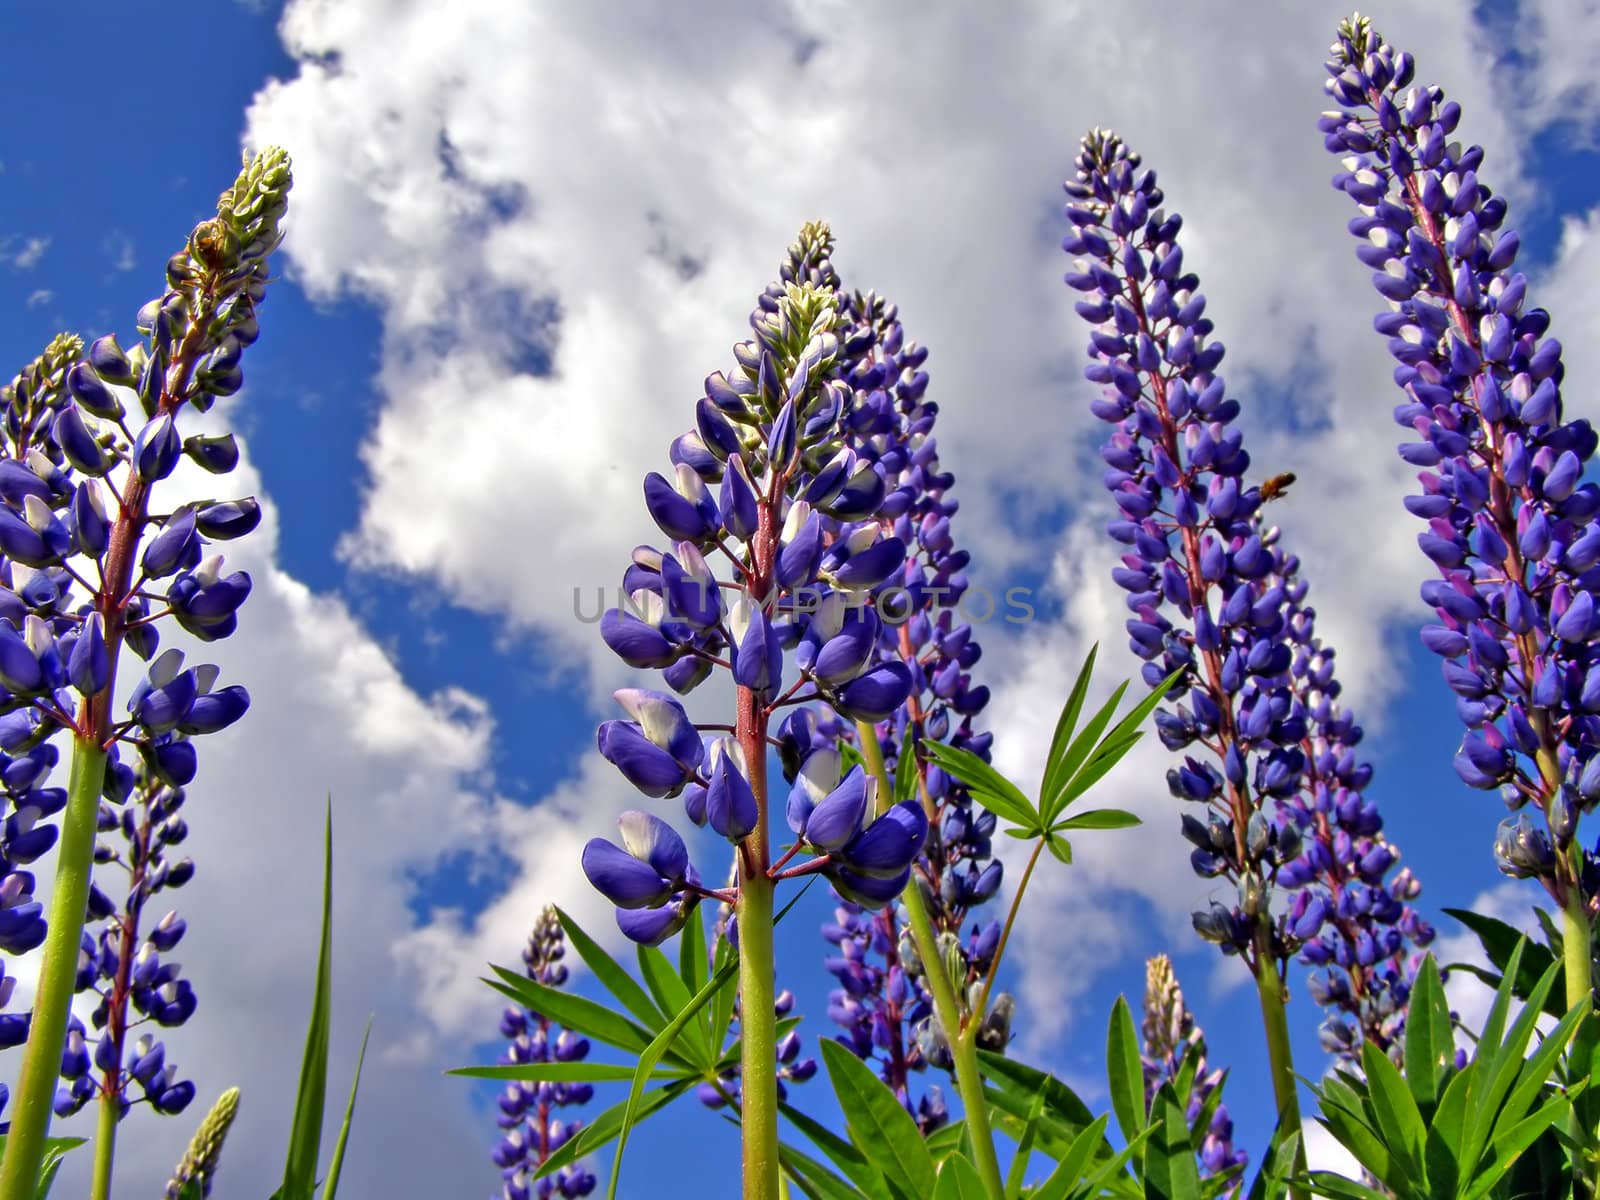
[758, 1112]
[105, 1142]
[58, 972]
[1275, 1017]
[982, 1006]
[963, 1043]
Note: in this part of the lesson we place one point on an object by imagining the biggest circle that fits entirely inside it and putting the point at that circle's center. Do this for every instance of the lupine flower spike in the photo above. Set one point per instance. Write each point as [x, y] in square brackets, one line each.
[1262, 701]
[1172, 1038]
[528, 1110]
[88, 564]
[765, 485]
[1511, 527]
[883, 999]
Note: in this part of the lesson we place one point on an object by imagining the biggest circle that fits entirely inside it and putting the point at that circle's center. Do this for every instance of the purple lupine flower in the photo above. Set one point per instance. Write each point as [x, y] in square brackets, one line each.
[882, 1000]
[84, 437]
[1262, 698]
[528, 1110]
[766, 481]
[1510, 525]
[1171, 1038]
[122, 962]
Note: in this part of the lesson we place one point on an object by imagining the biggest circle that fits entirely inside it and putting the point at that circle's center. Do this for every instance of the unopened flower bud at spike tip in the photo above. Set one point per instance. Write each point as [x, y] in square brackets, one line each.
[201, 1160]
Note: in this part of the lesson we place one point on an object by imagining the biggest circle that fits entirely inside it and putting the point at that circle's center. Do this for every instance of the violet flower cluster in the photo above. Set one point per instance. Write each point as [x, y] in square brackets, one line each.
[764, 486]
[88, 565]
[1172, 1038]
[528, 1110]
[122, 968]
[882, 1001]
[1262, 700]
[1511, 526]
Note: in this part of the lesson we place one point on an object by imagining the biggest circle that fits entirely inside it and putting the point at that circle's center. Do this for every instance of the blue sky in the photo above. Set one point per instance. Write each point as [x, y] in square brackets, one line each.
[517, 242]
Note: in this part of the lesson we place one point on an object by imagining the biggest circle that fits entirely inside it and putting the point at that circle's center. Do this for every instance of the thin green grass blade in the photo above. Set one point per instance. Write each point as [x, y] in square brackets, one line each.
[305, 1131]
[331, 1185]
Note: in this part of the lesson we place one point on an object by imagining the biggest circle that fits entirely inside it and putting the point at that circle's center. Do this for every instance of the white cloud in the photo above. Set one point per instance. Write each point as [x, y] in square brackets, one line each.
[26, 256]
[39, 297]
[611, 193]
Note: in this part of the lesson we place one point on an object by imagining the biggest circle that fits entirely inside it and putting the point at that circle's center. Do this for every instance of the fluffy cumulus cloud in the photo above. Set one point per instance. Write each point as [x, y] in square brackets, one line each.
[330, 717]
[564, 235]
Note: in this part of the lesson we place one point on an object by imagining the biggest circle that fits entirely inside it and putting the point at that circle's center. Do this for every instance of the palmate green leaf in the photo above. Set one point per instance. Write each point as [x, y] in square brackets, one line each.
[577, 1013]
[1517, 1139]
[1060, 847]
[305, 1131]
[1277, 1165]
[1055, 761]
[612, 976]
[694, 966]
[1098, 766]
[905, 776]
[55, 1149]
[1071, 1166]
[1344, 1117]
[1340, 1188]
[1170, 1170]
[330, 1186]
[865, 1177]
[958, 1179]
[1125, 1071]
[722, 1004]
[1505, 1062]
[1081, 747]
[1098, 818]
[812, 1178]
[946, 1140]
[1090, 768]
[1397, 1113]
[603, 1129]
[1430, 1046]
[1019, 1161]
[992, 789]
[673, 995]
[878, 1122]
[1499, 940]
[1100, 1177]
[1018, 1079]
[652, 1054]
[1582, 1061]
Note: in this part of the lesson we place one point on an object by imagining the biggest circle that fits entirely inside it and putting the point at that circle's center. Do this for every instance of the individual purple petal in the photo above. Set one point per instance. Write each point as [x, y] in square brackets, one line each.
[621, 878]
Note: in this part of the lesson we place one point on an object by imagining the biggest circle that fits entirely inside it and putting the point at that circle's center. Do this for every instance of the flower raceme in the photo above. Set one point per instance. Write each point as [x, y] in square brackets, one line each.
[89, 564]
[882, 1000]
[1171, 1037]
[532, 1130]
[1511, 525]
[766, 483]
[1212, 592]
[774, 545]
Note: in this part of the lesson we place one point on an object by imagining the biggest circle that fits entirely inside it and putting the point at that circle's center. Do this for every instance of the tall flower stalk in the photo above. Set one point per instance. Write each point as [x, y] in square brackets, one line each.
[530, 1111]
[1510, 526]
[90, 563]
[793, 524]
[1213, 595]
